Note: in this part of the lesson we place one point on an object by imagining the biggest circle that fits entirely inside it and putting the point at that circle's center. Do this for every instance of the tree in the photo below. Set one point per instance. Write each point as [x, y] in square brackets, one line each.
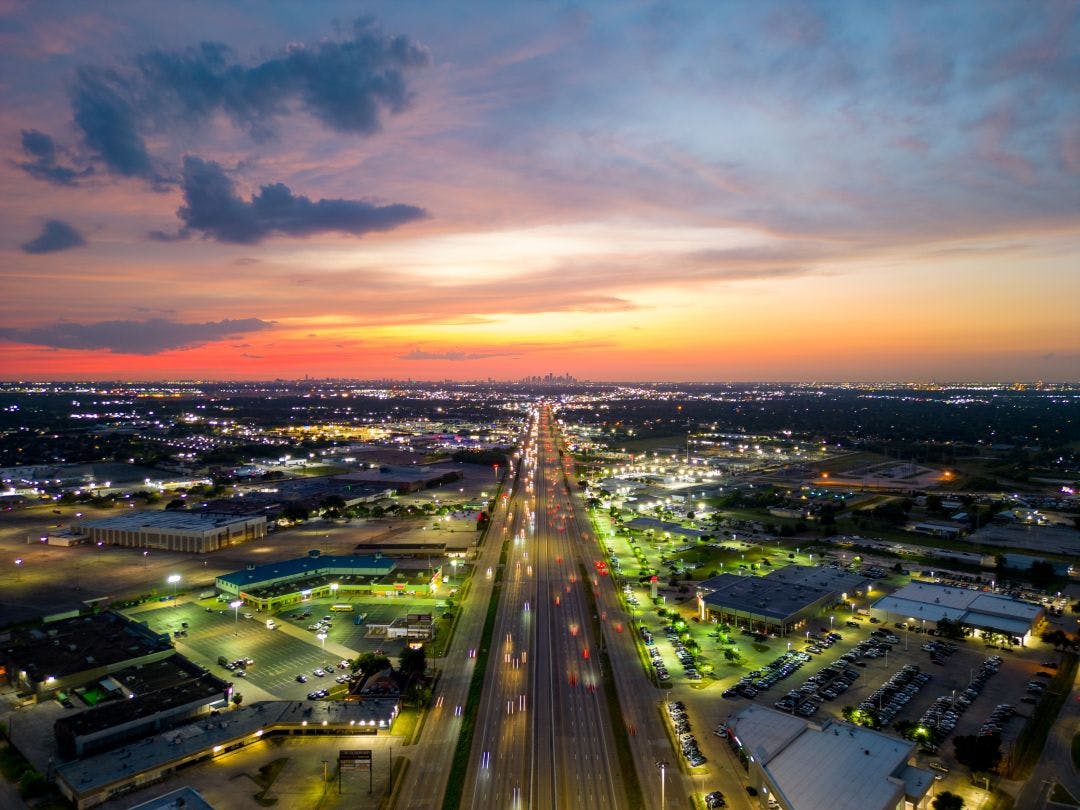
[947, 628]
[175, 503]
[980, 753]
[237, 699]
[1041, 573]
[412, 661]
[1059, 638]
[294, 513]
[948, 801]
[369, 663]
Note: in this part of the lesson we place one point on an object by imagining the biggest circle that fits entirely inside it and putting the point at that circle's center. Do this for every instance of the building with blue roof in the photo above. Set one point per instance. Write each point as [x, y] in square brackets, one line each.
[323, 576]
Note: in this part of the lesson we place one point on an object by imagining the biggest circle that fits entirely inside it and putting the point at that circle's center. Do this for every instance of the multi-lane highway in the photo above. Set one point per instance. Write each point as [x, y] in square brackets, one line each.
[543, 735]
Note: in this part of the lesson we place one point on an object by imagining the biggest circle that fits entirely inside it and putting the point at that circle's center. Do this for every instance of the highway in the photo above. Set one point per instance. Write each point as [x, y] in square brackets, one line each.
[544, 736]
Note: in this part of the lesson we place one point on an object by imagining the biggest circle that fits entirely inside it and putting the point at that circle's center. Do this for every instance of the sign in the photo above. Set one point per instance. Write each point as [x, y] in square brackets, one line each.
[354, 758]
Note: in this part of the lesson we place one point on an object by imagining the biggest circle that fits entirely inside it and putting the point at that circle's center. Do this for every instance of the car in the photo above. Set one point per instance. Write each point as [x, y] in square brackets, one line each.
[301, 678]
[318, 673]
[1028, 699]
[1049, 664]
[240, 673]
[249, 616]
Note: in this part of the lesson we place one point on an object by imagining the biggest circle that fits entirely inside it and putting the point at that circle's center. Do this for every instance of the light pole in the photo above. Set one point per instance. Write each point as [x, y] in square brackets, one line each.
[322, 637]
[173, 579]
[662, 765]
[18, 569]
[235, 605]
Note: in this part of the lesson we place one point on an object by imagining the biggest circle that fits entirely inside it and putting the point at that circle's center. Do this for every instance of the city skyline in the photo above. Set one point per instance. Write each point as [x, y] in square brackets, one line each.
[666, 192]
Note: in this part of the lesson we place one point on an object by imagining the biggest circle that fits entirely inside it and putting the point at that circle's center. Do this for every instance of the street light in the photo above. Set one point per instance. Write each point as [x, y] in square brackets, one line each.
[173, 579]
[322, 637]
[235, 605]
[662, 765]
[18, 568]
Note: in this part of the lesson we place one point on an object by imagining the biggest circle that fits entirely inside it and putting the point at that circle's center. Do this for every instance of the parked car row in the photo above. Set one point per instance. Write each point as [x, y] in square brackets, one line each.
[940, 651]
[761, 679]
[887, 700]
[677, 713]
[944, 713]
[997, 720]
[828, 684]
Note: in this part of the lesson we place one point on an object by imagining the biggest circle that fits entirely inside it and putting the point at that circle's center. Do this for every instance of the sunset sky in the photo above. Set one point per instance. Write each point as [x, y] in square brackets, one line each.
[615, 190]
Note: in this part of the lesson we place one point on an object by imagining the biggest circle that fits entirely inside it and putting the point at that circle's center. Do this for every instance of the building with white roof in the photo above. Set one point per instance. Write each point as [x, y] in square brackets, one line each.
[797, 764]
[173, 530]
[929, 602]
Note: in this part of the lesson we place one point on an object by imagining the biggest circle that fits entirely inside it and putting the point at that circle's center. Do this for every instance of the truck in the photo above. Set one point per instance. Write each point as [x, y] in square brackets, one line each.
[208, 594]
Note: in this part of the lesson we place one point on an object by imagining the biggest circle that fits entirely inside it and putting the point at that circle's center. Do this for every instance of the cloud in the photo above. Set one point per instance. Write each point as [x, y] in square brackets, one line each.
[420, 354]
[212, 207]
[147, 337]
[347, 85]
[57, 235]
[43, 153]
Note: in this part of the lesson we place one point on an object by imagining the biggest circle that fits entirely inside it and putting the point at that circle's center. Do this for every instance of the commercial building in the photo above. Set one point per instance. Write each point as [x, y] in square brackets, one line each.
[101, 777]
[173, 530]
[926, 603]
[317, 576]
[782, 601]
[795, 764]
[138, 701]
[404, 479]
[60, 655]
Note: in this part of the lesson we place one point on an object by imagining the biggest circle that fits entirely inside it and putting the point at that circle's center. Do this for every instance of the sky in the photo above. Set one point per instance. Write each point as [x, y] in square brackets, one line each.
[684, 191]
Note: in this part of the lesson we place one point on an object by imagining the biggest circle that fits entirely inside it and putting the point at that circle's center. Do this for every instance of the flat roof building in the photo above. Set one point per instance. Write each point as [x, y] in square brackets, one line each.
[140, 700]
[779, 602]
[405, 479]
[46, 658]
[317, 576]
[796, 764]
[101, 777]
[173, 530]
[929, 602]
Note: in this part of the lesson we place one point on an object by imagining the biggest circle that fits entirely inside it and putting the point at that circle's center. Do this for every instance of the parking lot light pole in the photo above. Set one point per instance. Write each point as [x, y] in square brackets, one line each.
[235, 605]
[173, 579]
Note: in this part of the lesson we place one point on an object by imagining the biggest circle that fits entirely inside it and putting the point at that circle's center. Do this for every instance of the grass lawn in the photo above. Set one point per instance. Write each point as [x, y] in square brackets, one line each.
[1060, 795]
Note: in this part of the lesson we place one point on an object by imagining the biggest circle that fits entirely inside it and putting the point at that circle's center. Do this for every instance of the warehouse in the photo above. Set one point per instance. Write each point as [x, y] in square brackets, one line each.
[173, 530]
[795, 764]
[782, 601]
[925, 603]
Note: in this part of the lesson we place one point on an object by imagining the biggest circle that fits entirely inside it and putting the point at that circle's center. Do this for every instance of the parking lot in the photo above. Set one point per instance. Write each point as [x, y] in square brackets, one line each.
[918, 684]
[344, 629]
[220, 632]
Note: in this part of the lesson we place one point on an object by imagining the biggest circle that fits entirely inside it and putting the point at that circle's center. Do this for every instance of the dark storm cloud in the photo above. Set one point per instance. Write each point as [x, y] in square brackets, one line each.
[57, 235]
[347, 85]
[43, 164]
[212, 207]
[132, 337]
